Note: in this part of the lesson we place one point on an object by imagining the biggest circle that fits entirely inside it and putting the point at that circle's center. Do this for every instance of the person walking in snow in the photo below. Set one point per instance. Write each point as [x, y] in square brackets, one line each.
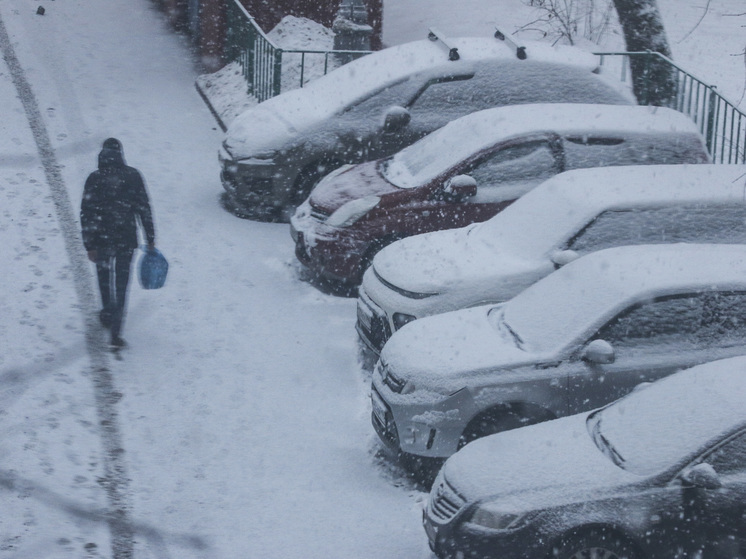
[114, 202]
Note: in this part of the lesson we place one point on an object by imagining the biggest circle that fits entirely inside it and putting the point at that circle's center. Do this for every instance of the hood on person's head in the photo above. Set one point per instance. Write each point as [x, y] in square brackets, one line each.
[111, 154]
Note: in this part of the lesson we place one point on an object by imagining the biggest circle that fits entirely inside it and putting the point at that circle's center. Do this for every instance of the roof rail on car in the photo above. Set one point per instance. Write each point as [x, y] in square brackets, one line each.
[520, 52]
[435, 35]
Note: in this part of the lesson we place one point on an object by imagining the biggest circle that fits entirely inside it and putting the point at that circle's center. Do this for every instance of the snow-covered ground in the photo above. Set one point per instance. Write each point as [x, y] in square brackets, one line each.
[237, 424]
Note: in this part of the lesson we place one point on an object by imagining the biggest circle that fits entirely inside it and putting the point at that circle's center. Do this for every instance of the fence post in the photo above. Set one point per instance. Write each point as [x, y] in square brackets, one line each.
[251, 59]
[277, 74]
[710, 134]
[646, 77]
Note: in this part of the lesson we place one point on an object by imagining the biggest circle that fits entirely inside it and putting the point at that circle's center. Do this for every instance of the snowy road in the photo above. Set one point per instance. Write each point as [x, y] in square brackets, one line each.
[243, 412]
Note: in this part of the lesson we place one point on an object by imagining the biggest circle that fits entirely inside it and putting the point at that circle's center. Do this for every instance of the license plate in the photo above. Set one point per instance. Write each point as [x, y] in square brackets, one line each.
[379, 408]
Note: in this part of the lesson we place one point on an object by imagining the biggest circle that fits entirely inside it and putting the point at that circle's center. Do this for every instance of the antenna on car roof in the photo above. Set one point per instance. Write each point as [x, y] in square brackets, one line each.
[520, 52]
[435, 35]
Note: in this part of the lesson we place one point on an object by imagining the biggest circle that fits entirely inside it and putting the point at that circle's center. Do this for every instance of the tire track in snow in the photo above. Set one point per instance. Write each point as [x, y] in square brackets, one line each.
[116, 481]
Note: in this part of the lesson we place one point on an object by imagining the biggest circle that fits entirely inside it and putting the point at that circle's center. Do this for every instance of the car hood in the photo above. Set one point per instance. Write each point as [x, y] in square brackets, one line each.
[350, 183]
[272, 125]
[441, 352]
[545, 464]
[452, 260]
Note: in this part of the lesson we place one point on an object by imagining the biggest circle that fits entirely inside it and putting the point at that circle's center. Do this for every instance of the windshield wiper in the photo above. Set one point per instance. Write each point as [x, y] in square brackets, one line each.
[516, 337]
[604, 445]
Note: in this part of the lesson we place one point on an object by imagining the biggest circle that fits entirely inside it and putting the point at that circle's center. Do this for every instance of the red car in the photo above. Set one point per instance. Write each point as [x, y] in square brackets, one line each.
[471, 169]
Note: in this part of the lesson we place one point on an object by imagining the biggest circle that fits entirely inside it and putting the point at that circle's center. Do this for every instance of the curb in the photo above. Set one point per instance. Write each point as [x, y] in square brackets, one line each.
[206, 99]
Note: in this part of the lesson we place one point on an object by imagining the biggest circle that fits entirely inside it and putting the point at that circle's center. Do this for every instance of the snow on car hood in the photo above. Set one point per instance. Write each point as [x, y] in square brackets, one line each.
[350, 183]
[540, 465]
[452, 260]
[271, 125]
[439, 352]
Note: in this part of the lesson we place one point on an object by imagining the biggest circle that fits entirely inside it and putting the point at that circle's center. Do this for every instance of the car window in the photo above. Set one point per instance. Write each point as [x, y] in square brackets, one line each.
[446, 99]
[659, 322]
[512, 170]
[374, 105]
[679, 224]
[729, 458]
[592, 151]
[723, 320]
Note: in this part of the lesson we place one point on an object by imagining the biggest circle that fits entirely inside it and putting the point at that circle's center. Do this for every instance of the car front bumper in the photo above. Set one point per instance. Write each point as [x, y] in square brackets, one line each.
[333, 254]
[428, 430]
[253, 185]
[464, 540]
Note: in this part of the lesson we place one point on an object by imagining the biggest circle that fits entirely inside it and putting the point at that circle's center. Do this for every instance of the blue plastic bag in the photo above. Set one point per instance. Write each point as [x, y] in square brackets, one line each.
[152, 269]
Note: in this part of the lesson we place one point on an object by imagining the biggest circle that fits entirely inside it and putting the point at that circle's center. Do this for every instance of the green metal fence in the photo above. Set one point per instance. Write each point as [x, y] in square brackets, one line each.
[722, 124]
[263, 62]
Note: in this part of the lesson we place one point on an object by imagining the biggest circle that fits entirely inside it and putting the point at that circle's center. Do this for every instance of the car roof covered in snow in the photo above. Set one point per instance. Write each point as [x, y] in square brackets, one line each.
[300, 108]
[461, 138]
[571, 303]
[572, 198]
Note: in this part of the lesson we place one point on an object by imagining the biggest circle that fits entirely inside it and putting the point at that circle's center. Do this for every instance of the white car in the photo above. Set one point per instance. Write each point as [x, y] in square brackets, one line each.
[575, 340]
[659, 473]
[572, 214]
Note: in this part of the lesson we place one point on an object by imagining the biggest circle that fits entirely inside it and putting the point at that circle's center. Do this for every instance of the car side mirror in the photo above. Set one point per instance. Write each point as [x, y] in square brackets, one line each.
[459, 187]
[395, 119]
[599, 352]
[562, 257]
[702, 475]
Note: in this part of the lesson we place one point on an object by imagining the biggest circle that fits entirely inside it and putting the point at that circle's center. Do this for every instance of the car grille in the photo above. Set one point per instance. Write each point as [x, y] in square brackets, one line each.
[444, 502]
[372, 324]
[394, 383]
[319, 215]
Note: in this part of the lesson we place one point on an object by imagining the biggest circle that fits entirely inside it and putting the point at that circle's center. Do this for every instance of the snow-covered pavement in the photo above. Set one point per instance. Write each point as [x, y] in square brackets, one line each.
[243, 414]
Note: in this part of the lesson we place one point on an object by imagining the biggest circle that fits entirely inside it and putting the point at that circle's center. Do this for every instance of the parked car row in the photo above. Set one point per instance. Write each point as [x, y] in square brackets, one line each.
[588, 209]
[530, 272]
[274, 153]
[471, 169]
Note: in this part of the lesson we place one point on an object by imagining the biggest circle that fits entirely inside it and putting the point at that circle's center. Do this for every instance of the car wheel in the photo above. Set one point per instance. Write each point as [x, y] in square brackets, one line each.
[310, 177]
[489, 423]
[595, 544]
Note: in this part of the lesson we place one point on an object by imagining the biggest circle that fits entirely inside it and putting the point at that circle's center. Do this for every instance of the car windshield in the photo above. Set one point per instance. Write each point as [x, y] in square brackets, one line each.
[554, 312]
[642, 433]
[530, 215]
[433, 155]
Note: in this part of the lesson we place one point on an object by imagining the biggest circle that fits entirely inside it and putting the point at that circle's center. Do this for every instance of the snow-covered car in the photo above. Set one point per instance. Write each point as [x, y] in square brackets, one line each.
[579, 338]
[472, 168]
[565, 217]
[372, 107]
[659, 473]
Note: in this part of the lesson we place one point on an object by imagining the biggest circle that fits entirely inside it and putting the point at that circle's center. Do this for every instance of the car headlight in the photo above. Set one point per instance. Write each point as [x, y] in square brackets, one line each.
[491, 517]
[400, 319]
[349, 213]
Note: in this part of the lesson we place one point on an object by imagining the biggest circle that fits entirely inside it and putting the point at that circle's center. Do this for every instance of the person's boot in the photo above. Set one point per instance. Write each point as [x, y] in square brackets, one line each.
[105, 317]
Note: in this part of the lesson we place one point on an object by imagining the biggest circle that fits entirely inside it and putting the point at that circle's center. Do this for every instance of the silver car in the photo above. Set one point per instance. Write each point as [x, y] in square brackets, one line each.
[575, 340]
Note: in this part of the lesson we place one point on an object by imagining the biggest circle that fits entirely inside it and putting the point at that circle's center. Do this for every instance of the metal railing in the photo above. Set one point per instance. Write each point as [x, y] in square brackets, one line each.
[721, 123]
[263, 63]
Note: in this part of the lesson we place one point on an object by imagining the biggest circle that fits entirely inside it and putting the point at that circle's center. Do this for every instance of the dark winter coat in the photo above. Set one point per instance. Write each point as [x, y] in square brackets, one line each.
[114, 200]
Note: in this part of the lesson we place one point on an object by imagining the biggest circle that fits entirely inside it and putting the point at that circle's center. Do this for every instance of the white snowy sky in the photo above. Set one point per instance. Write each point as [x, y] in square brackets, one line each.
[241, 409]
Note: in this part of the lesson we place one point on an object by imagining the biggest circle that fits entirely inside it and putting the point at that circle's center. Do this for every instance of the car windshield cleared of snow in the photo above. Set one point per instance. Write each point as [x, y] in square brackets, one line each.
[642, 433]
